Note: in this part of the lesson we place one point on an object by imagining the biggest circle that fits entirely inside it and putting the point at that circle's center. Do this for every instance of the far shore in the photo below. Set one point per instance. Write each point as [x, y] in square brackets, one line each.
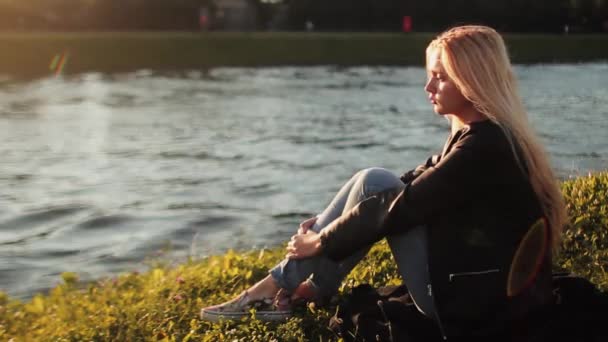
[32, 54]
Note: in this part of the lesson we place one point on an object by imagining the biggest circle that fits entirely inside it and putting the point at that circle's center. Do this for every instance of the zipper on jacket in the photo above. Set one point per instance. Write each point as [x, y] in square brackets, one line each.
[429, 288]
[468, 274]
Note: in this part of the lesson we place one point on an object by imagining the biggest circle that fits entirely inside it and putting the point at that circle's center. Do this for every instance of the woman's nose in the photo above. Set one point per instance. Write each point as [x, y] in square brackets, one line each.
[430, 86]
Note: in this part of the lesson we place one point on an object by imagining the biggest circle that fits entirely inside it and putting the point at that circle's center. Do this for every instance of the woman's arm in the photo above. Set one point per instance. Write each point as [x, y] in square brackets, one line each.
[468, 167]
[413, 174]
[359, 227]
[345, 235]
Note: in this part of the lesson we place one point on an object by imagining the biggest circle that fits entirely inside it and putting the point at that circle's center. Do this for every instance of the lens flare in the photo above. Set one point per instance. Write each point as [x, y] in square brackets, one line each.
[58, 63]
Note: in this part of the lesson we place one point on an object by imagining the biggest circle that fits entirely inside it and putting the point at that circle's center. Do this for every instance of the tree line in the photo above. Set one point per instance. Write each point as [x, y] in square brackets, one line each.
[69, 15]
[296, 15]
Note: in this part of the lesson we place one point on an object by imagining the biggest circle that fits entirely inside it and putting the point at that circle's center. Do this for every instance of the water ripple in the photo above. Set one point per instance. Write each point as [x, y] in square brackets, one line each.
[35, 224]
[200, 156]
[103, 222]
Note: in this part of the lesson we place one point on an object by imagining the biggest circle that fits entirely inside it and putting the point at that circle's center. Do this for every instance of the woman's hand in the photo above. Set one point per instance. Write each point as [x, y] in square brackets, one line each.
[306, 225]
[304, 245]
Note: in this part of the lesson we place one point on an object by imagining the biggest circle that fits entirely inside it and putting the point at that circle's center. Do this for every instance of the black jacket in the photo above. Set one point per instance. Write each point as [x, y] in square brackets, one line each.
[476, 203]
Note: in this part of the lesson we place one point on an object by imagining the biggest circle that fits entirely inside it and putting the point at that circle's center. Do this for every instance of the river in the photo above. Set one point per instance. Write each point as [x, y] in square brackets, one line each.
[103, 174]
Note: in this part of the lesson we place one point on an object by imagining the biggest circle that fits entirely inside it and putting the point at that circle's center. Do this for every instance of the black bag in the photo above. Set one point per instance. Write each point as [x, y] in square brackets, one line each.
[579, 314]
[384, 314]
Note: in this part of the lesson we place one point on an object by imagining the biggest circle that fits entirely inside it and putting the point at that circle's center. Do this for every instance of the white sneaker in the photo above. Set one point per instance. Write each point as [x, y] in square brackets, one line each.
[266, 310]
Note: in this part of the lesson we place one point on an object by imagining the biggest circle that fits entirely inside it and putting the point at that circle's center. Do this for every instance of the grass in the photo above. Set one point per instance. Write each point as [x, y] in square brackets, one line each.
[163, 303]
[30, 54]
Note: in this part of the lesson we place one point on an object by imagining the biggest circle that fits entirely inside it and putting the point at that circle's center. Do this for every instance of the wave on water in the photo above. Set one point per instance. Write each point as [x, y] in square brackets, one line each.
[408, 147]
[103, 222]
[199, 155]
[253, 190]
[200, 206]
[591, 155]
[291, 215]
[207, 224]
[36, 224]
[356, 145]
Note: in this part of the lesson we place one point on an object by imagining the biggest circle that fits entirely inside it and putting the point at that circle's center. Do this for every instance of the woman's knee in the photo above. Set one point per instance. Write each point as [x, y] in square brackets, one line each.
[379, 179]
[378, 175]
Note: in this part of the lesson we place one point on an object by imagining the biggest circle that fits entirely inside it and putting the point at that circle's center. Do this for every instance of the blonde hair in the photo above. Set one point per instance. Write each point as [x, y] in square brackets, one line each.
[476, 59]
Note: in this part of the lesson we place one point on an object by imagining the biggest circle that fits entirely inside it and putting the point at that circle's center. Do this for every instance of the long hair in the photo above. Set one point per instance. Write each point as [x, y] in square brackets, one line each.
[476, 59]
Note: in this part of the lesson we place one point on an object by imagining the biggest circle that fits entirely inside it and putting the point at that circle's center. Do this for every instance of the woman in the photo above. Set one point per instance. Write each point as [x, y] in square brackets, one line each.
[454, 224]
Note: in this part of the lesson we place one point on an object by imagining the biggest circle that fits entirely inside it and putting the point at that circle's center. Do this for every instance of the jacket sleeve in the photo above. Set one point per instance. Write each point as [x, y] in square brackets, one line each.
[454, 181]
[448, 183]
[359, 227]
[413, 174]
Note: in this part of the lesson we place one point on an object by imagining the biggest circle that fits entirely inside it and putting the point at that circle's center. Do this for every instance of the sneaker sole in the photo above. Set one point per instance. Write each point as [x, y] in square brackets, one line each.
[270, 316]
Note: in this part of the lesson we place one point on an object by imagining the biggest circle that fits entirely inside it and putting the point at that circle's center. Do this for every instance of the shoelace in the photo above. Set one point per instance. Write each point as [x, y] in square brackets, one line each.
[246, 303]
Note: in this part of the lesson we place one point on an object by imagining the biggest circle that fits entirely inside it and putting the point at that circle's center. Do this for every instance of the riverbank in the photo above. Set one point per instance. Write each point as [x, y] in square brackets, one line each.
[163, 304]
[40, 54]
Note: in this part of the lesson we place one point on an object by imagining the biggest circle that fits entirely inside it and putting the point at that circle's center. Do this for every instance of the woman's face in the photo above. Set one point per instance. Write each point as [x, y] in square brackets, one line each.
[443, 93]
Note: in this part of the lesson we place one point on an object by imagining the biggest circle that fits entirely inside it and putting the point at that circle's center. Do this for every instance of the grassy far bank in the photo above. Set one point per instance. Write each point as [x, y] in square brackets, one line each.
[163, 304]
[30, 54]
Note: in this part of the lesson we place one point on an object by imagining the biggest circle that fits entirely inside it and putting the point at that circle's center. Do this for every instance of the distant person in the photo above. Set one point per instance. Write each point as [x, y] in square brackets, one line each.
[454, 224]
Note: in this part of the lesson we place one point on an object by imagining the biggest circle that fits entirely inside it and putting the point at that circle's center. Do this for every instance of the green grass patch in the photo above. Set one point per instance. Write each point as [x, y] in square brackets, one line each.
[585, 241]
[31, 54]
[163, 303]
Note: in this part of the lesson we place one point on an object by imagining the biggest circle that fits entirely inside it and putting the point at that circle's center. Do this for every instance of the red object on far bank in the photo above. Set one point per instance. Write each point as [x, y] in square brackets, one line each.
[407, 23]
